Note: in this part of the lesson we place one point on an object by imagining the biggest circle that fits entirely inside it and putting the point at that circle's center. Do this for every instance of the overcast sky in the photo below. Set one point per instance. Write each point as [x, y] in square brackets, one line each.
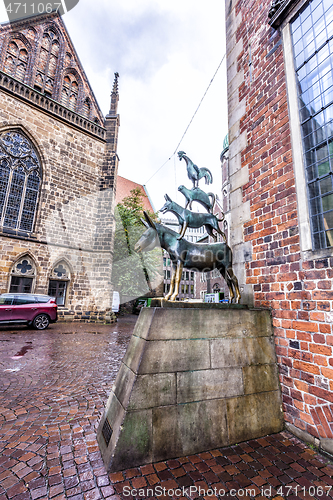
[166, 52]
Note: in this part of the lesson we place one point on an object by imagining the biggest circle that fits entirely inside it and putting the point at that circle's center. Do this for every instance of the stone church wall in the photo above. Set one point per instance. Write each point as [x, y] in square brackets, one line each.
[46, 98]
[71, 217]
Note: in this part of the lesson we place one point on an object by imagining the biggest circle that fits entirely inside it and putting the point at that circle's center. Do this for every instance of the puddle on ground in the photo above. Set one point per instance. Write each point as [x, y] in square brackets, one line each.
[23, 351]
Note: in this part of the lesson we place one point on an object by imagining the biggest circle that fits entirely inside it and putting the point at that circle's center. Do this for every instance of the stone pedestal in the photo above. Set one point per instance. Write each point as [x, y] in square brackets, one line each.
[192, 379]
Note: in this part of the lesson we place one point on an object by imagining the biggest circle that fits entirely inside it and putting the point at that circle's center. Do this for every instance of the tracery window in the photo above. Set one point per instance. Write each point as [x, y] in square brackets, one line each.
[58, 283]
[312, 37]
[23, 274]
[16, 59]
[47, 64]
[20, 181]
[70, 92]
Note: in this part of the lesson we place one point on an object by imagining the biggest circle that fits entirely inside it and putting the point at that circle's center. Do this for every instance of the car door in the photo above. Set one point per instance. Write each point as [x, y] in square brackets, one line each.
[6, 308]
[24, 309]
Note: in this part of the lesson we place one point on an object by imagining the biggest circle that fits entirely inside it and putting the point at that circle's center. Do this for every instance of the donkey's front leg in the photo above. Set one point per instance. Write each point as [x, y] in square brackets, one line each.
[177, 280]
[172, 283]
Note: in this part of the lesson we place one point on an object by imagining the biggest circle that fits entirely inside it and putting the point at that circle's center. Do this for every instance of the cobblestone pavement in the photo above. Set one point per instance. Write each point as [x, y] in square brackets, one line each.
[53, 388]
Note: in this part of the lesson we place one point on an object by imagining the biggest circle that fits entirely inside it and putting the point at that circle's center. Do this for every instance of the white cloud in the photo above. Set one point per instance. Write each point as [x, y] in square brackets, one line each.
[166, 54]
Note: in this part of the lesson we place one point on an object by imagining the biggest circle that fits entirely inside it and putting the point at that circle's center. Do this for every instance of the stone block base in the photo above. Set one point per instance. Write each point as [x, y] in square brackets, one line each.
[191, 380]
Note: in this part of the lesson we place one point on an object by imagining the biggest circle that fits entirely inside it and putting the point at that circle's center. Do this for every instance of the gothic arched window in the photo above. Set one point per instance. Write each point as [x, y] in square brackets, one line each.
[20, 181]
[58, 282]
[47, 64]
[70, 92]
[16, 59]
[23, 274]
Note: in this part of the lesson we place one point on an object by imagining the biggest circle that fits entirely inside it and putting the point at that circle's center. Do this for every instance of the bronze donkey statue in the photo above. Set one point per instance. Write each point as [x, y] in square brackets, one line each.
[202, 257]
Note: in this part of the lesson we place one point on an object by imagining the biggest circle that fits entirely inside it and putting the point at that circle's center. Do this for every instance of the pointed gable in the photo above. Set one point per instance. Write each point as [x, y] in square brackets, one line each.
[124, 188]
[38, 51]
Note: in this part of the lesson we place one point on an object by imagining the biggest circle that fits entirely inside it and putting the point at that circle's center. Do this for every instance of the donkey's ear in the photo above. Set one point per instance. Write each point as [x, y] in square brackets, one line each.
[149, 221]
[144, 223]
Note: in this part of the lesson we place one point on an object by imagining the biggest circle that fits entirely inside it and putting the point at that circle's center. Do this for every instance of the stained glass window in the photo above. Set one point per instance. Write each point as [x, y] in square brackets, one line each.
[20, 181]
[312, 36]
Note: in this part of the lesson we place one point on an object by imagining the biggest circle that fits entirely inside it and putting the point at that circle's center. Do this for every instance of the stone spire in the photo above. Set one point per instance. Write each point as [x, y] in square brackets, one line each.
[114, 96]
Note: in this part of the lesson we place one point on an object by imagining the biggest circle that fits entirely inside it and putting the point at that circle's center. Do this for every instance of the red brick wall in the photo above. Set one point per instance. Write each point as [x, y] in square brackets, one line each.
[298, 290]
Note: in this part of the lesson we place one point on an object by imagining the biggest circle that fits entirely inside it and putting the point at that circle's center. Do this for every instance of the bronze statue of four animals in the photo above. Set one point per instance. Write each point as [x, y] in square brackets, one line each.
[198, 256]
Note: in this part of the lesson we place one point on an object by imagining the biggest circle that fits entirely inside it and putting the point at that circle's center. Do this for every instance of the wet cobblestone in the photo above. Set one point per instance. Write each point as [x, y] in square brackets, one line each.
[53, 389]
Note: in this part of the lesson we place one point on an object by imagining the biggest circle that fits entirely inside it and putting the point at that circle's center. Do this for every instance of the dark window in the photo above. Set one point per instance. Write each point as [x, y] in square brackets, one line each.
[20, 285]
[312, 36]
[57, 289]
[20, 180]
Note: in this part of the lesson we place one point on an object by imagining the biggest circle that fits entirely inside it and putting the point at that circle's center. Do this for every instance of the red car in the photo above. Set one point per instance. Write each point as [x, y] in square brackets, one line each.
[33, 309]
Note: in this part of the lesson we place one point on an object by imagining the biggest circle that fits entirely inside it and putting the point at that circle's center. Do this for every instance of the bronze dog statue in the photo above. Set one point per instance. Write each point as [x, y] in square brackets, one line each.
[189, 219]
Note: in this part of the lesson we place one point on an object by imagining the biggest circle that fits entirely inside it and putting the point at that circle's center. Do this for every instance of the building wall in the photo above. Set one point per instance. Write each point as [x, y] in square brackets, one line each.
[67, 215]
[74, 216]
[275, 268]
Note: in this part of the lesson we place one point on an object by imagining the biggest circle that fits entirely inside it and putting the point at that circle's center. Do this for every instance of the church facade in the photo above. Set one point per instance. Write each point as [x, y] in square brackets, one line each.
[58, 168]
[280, 106]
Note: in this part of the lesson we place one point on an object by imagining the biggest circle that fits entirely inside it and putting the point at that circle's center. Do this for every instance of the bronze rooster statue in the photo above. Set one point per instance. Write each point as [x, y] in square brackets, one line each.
[195, 173]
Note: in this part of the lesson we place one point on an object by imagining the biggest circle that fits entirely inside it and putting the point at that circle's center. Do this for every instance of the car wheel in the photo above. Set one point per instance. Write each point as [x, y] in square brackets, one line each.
[41, 322]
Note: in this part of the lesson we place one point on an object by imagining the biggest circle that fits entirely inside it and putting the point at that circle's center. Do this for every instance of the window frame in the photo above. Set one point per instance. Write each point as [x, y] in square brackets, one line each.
[56, 284]
[305, 228]
[25, 189]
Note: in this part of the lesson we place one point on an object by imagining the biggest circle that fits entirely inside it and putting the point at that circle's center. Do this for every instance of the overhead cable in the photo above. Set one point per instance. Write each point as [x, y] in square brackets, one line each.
[190, 122]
